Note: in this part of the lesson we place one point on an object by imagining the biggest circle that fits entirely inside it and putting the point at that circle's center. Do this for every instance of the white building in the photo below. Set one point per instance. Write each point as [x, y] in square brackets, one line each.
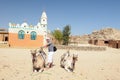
[25, 35]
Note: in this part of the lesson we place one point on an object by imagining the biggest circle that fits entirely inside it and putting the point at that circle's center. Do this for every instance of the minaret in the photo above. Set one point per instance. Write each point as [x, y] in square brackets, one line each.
[44, 19]
[44, 25]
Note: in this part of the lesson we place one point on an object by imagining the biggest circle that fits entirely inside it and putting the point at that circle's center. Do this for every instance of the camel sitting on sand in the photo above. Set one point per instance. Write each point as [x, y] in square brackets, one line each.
[38, 60]
[68, 61]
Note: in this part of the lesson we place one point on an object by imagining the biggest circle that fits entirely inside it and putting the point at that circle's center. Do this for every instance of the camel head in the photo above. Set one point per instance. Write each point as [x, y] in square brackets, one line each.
[75, 57]
[41, 50]
[33, 52]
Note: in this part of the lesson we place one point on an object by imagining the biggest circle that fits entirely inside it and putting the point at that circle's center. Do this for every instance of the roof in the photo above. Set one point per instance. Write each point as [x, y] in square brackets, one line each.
[44, 15]
[3, 31]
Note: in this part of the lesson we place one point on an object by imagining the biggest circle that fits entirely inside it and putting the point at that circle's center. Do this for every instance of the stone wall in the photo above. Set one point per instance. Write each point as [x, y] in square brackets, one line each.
[82, 48]
[114, 43]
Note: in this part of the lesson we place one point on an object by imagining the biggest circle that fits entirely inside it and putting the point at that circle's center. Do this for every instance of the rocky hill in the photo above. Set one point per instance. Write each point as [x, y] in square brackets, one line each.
[105, 34]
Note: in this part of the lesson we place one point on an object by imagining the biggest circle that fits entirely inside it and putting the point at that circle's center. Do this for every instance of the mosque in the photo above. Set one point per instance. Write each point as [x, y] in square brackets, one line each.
[25, 35]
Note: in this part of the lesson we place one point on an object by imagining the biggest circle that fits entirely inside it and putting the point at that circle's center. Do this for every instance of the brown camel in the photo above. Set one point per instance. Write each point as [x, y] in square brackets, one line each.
[38, 60]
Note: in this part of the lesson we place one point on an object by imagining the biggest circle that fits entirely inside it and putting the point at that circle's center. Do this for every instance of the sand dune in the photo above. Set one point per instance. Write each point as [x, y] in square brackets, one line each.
[15, 64]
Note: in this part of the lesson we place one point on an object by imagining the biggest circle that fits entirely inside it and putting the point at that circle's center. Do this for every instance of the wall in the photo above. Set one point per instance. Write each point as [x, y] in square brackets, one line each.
[118, 44]
[82, 48]
[26, 42]
[114, 43]
[3, 36]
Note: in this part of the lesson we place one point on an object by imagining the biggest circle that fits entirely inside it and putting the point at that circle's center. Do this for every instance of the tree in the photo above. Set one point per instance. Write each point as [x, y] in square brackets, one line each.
[66, 34]
[58, 35]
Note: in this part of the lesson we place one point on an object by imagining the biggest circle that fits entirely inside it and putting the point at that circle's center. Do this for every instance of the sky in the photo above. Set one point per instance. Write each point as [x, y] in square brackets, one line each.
[84, 16]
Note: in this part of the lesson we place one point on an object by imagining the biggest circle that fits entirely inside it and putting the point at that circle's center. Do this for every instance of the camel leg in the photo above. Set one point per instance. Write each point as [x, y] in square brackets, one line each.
[41, 70]
[35, 71]
[48, 65]
[66, 68]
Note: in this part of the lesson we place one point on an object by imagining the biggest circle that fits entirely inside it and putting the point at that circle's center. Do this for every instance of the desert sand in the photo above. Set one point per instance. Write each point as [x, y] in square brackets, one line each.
[16, 64]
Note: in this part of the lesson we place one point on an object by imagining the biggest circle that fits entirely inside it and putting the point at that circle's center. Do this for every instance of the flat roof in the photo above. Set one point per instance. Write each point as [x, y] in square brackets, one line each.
[3, 32]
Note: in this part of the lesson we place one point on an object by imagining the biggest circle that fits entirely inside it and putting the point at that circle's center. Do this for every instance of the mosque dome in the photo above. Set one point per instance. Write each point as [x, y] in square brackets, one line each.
[24, 24]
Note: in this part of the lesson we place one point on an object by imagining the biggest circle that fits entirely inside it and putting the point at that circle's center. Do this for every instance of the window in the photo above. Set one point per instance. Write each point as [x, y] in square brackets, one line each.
[21, 34]
[106, 42]
[43, 19]
[33, 35]
[43, 25]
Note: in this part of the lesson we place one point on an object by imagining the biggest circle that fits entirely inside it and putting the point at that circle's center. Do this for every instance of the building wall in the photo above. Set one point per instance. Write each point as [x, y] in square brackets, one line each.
[1, 37]
[102, 43]
[99, 42]
[14, 41]
[118, 44]
[114, 43]
[4, 37]
[110, 43]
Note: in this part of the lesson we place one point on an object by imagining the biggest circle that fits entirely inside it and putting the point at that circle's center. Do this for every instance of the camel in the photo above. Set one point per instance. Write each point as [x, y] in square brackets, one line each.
[68, 61]
[38, 60]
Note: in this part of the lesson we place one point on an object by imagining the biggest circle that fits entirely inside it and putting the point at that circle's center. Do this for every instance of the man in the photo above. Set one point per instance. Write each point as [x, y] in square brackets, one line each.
[50, 46]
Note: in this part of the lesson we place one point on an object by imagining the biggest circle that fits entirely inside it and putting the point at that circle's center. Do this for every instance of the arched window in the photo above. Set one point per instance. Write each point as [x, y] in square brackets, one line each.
[33, 35]
[21, 34]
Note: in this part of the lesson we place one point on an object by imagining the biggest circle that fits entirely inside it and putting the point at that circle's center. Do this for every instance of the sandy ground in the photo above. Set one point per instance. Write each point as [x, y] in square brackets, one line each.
[15, 64]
